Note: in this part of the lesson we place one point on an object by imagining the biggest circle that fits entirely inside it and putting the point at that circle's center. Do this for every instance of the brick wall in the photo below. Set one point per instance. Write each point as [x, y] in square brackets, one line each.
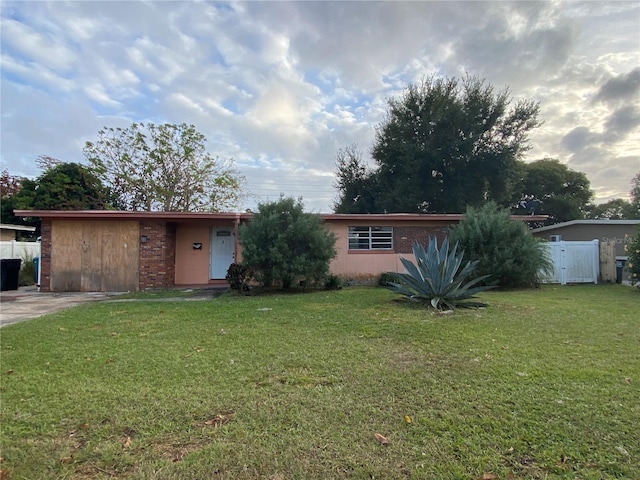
[45, 255]
[404, 237]
[157, 255]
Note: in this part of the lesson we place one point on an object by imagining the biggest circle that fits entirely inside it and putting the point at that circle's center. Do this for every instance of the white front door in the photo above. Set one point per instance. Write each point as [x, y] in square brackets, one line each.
[222, 252]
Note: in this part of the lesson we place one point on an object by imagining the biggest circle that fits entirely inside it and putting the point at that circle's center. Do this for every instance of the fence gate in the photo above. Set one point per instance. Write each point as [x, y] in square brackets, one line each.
[574, 262]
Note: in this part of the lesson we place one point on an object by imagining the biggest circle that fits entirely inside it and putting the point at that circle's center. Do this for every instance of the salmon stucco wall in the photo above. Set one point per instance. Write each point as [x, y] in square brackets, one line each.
[192, 265]
[368, 264]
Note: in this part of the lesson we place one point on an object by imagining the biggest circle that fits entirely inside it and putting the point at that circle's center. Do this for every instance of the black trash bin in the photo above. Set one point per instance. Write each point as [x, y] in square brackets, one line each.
[9, 273]
[619, 268]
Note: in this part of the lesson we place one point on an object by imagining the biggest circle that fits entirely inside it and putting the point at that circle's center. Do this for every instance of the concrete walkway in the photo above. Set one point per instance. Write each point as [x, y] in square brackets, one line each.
[28, 302]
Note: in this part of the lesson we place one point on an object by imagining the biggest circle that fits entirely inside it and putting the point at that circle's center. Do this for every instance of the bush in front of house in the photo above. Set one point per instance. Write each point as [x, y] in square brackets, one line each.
[238, 276]
[27, 275]
[284, 246]
[437, 278]
[633, 261]
[504, 248]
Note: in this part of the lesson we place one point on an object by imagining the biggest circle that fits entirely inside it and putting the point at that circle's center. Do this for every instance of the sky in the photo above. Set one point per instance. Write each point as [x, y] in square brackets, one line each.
[281, 86]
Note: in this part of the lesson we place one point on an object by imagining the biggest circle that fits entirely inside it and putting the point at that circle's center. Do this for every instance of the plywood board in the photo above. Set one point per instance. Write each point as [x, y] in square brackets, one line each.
[66, 242]
[94, 256]
[120, 257]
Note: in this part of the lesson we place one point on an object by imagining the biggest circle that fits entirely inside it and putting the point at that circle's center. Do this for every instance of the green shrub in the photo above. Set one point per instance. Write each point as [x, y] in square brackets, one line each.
[436, 278]
[27, 275]
[333, 282]
[386, 278]
[633, 262]
[238, 276]
[286, 246]
[504, 248]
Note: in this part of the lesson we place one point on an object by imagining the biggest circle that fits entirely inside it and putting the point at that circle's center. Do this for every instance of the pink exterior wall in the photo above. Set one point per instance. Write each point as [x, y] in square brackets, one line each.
[192, 266]
[363, 264]
[366, 265]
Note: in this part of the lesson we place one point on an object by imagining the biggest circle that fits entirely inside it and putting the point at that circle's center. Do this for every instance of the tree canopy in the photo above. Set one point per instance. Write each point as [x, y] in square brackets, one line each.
[564, 194]
[9, 187]
[65, 186]
[444, 145]
[163, 167]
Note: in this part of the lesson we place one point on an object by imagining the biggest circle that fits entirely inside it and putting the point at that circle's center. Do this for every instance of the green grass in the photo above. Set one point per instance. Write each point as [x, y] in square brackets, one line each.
[543, 383]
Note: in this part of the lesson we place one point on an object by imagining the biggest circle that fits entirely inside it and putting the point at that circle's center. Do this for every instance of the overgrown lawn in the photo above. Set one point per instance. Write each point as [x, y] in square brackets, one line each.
[543, 383]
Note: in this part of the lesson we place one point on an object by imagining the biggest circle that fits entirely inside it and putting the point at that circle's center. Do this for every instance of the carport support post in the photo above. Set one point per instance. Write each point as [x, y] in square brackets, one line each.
[45, 256]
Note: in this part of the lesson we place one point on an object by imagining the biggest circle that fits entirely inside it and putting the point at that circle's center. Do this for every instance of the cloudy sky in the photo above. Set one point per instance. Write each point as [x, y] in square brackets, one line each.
[280, 86]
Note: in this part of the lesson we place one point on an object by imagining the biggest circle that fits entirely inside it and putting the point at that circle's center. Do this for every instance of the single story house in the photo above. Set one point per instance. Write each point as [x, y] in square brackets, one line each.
[619, 232]
[9, 232]
[104, 250]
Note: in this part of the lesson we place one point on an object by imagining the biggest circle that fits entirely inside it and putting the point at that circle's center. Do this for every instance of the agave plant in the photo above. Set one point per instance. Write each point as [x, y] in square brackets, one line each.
[437, 278]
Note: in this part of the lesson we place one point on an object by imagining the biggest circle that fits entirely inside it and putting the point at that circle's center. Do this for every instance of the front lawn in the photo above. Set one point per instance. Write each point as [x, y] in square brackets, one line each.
[543, 383]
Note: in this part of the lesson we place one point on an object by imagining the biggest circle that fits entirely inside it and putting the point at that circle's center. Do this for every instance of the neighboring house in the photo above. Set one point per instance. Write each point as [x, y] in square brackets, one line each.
[10, 232]
[618, 232]
[11, 248]
[127, 251]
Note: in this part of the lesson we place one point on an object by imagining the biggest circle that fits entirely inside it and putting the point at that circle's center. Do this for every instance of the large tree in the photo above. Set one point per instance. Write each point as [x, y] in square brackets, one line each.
[619, 208]
[634, 210]
[446, 144]
[356, 183]
[66, 186]
[164, 167]
[62, 186]
[563, 193]
[9, 187]
[616, 209]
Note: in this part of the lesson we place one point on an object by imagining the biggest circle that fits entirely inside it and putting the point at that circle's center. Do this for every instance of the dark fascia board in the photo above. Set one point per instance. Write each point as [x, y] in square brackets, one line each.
[183, 216]
[406, 217]
[124, 215]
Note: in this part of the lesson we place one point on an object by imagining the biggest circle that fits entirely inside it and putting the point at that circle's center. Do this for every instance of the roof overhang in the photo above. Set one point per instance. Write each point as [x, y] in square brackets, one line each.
[186, 216]
[20, 228]
[555, 226]
[125, 215]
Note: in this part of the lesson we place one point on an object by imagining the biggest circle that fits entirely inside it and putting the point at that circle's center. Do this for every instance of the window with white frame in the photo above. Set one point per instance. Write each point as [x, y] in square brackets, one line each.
[370, 238]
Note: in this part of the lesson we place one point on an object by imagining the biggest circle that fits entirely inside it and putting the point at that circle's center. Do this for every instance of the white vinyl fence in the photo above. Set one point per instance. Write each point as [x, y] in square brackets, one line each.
[23, 250]
[574, 262]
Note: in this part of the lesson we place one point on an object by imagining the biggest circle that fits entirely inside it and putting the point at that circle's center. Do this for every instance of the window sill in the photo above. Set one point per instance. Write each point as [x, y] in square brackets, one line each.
[376, 252]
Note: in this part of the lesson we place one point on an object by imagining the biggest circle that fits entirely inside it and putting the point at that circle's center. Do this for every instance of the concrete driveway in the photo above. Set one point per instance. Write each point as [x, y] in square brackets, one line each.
[27, 302]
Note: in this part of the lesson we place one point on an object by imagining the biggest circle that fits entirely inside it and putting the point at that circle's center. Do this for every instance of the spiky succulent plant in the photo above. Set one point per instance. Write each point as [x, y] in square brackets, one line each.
[437, 278]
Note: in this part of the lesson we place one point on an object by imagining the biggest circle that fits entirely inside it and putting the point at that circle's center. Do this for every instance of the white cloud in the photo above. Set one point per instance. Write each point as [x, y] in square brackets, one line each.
[36, 46]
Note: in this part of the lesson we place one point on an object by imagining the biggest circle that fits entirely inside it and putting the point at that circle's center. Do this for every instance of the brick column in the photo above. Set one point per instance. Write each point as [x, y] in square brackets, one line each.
[45, 256]
[157, 255]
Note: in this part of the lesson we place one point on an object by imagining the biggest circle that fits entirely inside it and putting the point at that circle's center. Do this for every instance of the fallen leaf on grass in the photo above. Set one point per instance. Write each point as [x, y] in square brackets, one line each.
[4, 474]
[218, 420]
[383, 440]
[127, 442]
[68, 459]
[488, 476]
[407, 419]
[627, 380]
[9, 372]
